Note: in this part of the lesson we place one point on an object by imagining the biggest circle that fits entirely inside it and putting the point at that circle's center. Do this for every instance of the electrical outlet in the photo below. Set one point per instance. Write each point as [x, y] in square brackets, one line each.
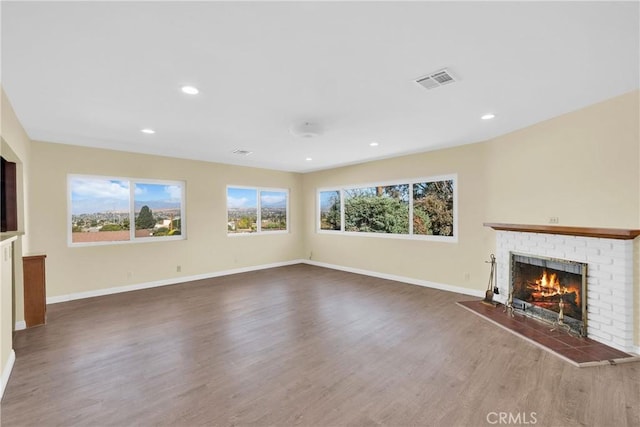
[129, 275]
[178, 268]
[467, 276]
[310, 254]
[553, 220]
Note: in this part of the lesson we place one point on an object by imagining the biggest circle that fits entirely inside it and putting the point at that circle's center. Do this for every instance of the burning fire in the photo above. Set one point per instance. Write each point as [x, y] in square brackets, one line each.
[549, 285]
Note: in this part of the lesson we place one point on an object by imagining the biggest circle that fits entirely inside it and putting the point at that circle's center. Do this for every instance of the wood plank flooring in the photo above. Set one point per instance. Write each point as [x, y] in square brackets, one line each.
[298, 345]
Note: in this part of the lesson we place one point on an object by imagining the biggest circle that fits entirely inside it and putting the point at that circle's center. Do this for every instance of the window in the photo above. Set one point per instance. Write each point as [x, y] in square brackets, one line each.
[257, 210]
[421, 208]
[330, 217]
[242, 210]
[273, 210]
[433, 203]
[381, 209]
[102, 210]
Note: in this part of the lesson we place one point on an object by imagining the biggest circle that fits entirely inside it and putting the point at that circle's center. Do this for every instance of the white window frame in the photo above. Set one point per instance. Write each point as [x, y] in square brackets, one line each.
[410, 236]
[258, 191]
[132, 228]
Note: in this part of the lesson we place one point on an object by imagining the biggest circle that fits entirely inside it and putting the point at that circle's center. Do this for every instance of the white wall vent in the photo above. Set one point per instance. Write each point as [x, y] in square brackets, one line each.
[241, 152]
[436, 79]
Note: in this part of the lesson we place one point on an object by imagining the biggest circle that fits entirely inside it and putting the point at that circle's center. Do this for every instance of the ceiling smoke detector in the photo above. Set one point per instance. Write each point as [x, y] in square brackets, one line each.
[306, 130]
[242, 152]
[436, 79]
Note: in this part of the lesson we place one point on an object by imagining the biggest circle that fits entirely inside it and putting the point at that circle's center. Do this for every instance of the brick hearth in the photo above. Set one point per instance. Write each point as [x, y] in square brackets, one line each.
[610, 302]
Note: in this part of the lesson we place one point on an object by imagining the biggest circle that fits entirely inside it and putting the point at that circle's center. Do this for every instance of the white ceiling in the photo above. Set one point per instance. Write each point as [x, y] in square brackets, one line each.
[95, 73]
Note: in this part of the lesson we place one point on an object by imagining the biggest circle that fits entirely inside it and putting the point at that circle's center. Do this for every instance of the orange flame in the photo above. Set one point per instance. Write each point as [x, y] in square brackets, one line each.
[549, 285]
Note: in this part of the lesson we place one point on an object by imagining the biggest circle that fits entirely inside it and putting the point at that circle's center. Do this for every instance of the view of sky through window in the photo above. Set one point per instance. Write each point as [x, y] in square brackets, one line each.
[101, 209]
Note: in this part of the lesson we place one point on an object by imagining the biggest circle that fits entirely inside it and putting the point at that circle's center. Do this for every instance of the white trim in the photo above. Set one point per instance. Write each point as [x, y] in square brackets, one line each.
[20, 325]
[418, 179]
[6, 372]
[424, 237]
[165, 282]
[404, 279]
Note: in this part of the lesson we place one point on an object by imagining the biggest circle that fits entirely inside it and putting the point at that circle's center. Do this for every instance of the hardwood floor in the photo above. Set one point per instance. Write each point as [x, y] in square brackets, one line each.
[298, 345]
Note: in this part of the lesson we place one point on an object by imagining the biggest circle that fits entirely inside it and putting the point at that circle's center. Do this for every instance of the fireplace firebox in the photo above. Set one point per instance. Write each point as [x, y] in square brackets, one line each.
[552, 290]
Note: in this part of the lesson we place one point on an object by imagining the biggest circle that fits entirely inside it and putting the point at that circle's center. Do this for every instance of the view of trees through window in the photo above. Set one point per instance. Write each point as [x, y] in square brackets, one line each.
[330, 210]
[253, 210]
[433, 208]
[377, 209]
[157, 210]
[101, 209]
[423, 208]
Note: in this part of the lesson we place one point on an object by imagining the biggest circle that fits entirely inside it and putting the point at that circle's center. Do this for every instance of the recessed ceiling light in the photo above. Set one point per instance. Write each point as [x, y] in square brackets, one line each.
[190, 90]
[374, 144]
[488, 116]
[308, 159]
[148, 131]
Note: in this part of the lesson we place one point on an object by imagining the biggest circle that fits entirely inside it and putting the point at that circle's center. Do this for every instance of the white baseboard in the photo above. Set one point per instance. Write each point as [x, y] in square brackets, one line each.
[404, 279]
[165, 282]
[20, 325]
[6, 372]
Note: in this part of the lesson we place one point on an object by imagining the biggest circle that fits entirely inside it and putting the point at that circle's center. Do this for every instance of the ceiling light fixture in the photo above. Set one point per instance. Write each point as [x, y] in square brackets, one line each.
[190, 90]
[308, 159]
[148, 131]
[374, 144]
[488, 116]
[306, 130]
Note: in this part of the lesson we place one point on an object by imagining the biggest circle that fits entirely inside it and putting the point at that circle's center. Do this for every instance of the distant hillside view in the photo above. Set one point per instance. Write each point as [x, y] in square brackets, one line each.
[242, 210]
[109, 226]
[157, 210]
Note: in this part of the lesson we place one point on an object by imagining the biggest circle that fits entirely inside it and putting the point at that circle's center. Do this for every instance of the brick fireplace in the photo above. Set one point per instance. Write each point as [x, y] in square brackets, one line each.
[609, 255]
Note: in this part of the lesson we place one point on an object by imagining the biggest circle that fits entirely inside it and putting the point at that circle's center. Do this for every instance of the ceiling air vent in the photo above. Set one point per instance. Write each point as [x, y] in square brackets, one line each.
[436, 79]
[242, 152]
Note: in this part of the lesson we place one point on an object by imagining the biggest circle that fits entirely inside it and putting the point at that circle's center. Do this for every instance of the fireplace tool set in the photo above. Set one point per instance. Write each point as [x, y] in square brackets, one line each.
[559, 324]
[492, 288]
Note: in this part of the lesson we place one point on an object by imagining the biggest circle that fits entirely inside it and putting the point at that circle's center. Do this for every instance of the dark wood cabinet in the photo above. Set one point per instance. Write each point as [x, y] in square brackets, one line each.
[35, 294]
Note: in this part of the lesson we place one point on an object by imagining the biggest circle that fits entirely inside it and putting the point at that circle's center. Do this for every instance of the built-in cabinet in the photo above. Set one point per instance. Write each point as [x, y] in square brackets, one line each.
[35, 296]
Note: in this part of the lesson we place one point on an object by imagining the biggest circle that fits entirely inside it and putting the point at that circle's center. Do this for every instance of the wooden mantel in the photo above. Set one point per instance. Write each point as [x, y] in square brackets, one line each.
[604, 233]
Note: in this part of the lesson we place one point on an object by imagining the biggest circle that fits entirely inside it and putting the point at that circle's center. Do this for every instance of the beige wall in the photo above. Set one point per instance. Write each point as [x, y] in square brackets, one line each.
[582, 167]
[440, 262]
[208, 249]
[15, 146]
